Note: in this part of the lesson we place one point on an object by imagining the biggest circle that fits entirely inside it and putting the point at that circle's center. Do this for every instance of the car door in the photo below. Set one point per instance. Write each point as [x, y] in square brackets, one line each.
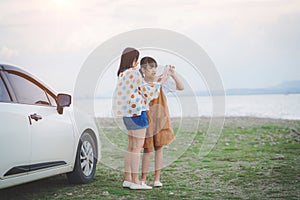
[52, 134]
[14, 135]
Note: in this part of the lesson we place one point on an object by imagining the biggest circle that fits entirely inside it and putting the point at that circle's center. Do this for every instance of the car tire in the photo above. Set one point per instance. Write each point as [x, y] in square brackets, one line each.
[86, 161]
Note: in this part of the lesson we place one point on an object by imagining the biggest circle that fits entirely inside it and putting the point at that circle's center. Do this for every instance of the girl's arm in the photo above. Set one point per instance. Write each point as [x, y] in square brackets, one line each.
[179, 83]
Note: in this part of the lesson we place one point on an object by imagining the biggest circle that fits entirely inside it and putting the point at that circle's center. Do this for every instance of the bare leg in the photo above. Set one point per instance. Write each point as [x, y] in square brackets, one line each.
[146, 163]
[127, 161]
[158, 162]
[138, 137]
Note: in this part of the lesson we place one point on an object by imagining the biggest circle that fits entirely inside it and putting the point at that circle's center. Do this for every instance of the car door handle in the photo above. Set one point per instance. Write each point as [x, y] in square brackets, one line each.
[36, 117]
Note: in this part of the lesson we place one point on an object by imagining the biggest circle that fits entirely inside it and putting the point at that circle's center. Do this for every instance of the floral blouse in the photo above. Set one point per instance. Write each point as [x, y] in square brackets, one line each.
[132, 94]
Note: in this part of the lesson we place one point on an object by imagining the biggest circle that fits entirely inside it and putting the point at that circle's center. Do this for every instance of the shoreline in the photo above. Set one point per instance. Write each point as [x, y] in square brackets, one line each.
[258, 106]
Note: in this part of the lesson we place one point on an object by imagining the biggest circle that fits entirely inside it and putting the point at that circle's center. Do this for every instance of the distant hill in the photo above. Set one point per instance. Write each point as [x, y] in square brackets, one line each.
[288, 87]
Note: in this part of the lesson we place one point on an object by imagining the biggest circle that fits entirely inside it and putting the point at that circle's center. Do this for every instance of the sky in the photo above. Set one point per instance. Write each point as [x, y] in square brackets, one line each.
[253, 43]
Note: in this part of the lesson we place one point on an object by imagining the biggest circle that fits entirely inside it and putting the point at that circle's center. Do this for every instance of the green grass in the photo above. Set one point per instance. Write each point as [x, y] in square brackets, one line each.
[253, 159]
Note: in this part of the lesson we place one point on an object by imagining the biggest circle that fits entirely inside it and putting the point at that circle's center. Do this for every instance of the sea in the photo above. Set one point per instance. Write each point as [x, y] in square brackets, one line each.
[276, 106]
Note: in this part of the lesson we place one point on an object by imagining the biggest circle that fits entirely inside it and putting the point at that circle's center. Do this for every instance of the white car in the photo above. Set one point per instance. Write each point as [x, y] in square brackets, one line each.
[38, 134]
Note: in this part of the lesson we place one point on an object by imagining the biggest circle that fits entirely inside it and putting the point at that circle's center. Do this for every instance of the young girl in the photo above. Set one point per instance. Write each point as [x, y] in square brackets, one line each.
[130, 100]
[160, 130]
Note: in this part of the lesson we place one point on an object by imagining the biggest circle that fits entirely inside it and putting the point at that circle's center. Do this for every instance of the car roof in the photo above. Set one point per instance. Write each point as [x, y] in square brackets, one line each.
[17, 69]
[9, 67]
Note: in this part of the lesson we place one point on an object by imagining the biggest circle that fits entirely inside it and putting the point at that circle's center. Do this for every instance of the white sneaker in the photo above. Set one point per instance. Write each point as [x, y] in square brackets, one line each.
[134, 186]
[127, 184]
[157, 184]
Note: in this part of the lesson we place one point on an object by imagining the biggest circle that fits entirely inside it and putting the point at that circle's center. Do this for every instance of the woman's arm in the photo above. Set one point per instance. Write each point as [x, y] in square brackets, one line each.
[148, 91]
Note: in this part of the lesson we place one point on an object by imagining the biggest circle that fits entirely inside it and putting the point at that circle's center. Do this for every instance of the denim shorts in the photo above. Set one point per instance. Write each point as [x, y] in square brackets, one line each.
[137, 122]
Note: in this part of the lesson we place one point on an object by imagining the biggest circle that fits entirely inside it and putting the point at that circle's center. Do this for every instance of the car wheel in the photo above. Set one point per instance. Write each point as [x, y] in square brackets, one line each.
[86, 161]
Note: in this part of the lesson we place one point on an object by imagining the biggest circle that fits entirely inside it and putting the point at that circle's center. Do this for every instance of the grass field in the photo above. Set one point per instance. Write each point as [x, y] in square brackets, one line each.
[253, 159]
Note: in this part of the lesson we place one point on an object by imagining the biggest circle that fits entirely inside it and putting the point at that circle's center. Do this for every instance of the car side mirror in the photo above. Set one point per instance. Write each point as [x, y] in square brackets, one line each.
[63, 100]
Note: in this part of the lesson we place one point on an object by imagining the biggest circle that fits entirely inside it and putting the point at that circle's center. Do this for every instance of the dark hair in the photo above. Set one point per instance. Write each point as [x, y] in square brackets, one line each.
[128, 56]
[148, 61]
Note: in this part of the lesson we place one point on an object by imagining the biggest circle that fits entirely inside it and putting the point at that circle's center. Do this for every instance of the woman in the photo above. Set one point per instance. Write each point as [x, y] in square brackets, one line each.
[131, 99]
[160, 130]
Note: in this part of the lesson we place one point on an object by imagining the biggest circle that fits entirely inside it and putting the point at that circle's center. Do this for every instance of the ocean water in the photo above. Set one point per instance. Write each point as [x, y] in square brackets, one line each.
[266, 106]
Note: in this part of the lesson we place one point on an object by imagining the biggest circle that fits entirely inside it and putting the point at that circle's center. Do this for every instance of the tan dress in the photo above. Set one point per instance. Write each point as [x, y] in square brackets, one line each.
[160, 130]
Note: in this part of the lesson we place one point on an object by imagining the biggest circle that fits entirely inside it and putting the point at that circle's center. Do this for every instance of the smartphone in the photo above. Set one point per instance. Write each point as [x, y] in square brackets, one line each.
[166, 69]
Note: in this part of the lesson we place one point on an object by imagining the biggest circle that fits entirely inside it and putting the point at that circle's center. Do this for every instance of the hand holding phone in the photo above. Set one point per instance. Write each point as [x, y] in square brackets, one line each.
[169, 70]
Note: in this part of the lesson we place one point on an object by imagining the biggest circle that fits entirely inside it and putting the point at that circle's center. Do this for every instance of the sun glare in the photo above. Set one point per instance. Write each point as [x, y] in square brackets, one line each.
[62, 4]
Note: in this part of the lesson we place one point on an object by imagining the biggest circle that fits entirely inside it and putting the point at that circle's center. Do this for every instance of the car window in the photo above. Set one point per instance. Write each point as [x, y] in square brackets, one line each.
[4, 96]
[28, 92]
[51, 99]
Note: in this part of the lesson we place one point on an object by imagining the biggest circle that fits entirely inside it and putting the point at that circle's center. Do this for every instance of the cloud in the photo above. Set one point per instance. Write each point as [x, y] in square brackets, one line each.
[241, 36]
[61, 26]
[7, 52]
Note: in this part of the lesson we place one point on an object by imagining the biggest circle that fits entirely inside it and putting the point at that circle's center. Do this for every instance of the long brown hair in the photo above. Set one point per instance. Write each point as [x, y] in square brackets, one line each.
[128, 56]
